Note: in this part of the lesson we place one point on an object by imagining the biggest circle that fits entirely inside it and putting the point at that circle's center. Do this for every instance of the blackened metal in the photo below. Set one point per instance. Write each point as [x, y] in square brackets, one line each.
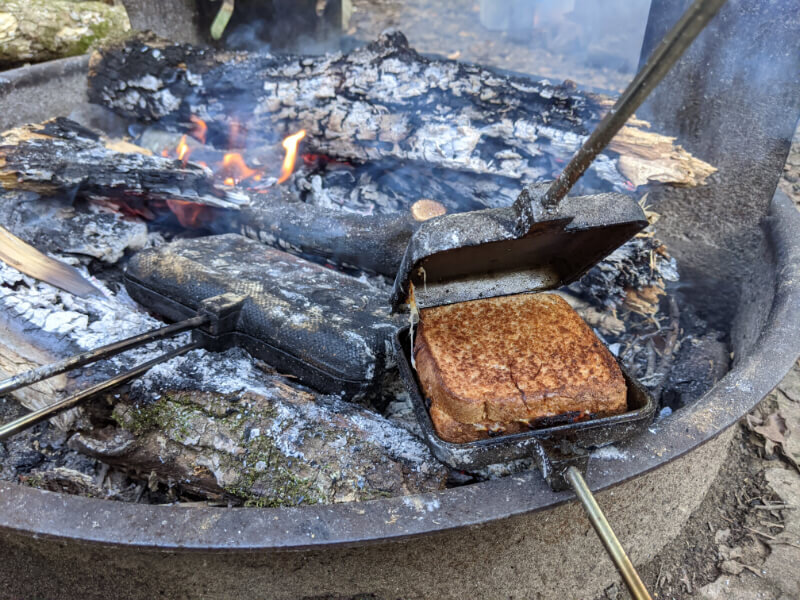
[555, 448]
[477, 254]
[672, 46]
[31, 419]
[328, 329]
[84, 358]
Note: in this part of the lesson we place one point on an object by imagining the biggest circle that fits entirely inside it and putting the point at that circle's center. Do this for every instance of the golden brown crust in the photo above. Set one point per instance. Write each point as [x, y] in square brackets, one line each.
[512, 360]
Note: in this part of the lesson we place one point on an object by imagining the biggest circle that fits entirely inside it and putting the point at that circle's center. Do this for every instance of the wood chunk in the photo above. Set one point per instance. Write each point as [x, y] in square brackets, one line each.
[62, 157]
[53, 225]
[37, 30]
[647, 157]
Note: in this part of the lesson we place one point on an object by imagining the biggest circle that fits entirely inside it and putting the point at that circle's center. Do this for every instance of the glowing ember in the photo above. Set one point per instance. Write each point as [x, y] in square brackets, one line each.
[290, 145]
[189, 214]
[234, 169]
[199, 130]
[183, 150]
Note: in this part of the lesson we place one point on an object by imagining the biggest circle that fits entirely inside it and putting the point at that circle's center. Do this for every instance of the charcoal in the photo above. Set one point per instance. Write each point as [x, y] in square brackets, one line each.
[53, 225]
[701, 362]
[62, 157]
[641, 266]
[25, 461]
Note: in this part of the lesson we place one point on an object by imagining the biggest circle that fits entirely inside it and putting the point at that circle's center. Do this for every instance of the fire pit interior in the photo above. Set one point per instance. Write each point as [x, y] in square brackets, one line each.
[335, 159]
[299, 175]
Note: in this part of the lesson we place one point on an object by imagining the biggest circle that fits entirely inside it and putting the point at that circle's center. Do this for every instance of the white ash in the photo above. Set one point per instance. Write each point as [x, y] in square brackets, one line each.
[609, 453]
[52, 224]
[68, 324]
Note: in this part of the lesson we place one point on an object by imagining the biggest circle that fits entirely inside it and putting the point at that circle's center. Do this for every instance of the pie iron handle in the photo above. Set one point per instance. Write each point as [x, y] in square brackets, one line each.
[562, 465]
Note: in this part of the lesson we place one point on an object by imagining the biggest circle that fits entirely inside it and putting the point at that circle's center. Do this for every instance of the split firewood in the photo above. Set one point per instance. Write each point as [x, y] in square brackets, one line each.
[383, 101]
[645, 156]
[37, 30]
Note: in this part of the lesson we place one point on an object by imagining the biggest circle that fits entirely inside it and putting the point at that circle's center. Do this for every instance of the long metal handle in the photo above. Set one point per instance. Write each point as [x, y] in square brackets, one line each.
[90, 356]
[31, 419]
[606, 535]
[660, 62]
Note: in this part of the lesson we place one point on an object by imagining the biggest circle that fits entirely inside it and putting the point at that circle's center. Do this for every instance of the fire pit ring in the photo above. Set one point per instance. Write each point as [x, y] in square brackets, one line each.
[217, 549]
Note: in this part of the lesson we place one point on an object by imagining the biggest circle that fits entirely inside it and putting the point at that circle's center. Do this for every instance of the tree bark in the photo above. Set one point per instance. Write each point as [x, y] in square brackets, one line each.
[37, 30]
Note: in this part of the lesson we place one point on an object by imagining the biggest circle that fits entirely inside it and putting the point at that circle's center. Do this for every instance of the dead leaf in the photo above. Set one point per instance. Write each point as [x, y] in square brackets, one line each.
[777, 429]
[731, 566]
[772, 430]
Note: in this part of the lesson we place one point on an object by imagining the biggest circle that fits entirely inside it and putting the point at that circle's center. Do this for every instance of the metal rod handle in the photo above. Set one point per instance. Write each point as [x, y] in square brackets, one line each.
[90, 356]
[31, 419]
[658, 65]
[606, 535]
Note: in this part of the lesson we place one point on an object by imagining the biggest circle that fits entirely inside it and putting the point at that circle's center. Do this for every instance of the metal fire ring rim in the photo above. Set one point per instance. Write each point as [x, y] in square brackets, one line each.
[61, 516]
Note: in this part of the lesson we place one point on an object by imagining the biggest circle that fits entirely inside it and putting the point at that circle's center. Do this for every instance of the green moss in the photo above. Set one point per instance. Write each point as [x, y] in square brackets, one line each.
[34, 481]
[276, 485]
[168, 414]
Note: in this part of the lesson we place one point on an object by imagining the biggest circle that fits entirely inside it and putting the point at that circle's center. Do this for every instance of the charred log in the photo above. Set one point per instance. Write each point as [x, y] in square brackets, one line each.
[62, 157]
[223, 429]
[384, 101]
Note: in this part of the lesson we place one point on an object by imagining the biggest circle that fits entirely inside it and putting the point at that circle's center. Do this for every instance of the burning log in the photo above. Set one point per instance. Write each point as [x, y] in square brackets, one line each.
[61, 157]
[37, 30]
[384, 101]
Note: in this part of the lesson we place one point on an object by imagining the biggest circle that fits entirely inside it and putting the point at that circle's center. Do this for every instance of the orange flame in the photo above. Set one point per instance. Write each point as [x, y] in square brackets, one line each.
[189, 214]
[183, 150]
[290, 145]
[236, 170]
[199, 130]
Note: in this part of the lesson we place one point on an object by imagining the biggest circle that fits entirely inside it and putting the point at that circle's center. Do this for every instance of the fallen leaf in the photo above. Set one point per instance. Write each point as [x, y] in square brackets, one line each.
[772, 431]
[731, 566]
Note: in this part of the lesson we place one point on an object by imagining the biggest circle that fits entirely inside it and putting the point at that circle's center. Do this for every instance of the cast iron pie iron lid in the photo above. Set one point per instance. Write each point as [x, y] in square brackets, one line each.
[521, 248]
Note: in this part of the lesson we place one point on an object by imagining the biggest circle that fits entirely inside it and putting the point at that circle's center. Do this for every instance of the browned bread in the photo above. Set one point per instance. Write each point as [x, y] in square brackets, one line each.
[502, 364]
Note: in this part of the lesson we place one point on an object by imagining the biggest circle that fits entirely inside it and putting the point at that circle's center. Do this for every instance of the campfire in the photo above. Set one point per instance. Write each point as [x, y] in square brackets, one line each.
[326, 165]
